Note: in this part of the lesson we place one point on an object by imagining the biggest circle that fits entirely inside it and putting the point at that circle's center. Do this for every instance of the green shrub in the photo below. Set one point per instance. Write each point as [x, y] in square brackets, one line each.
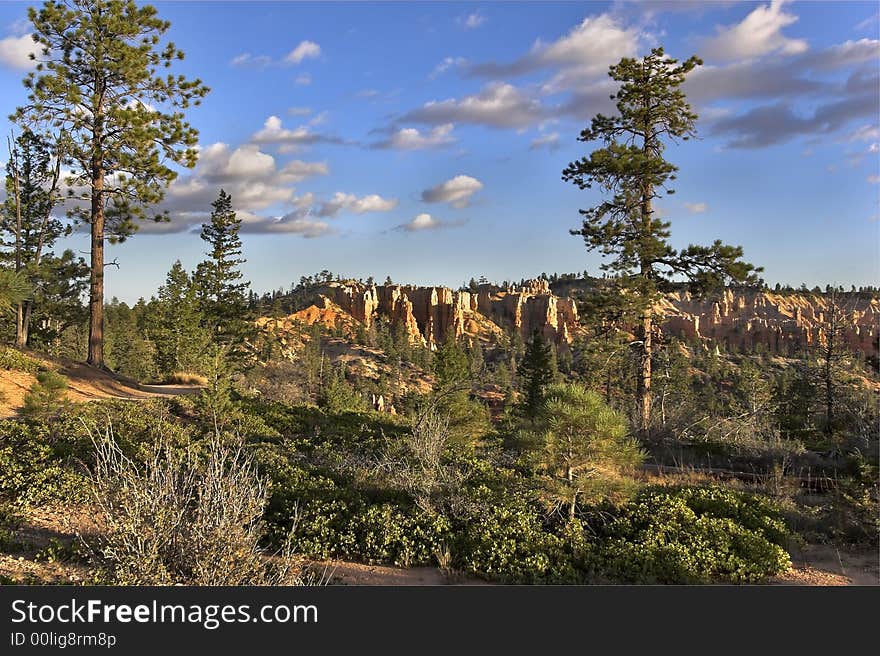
[508, 543]
[31, 471]
[692, 535]
[46, 397]
[15, 360]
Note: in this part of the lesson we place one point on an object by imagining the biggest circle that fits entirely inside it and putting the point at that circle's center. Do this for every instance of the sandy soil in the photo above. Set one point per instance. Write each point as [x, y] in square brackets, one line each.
[338, 572]
[84, 384]
[821, 564]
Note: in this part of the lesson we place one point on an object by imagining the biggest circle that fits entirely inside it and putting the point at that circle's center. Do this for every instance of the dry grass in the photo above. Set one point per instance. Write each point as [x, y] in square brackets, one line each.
[186, 378]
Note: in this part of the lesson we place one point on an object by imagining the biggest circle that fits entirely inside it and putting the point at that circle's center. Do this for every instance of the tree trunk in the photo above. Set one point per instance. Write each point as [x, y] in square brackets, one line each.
[19, 310]
[569, 475]
[20, 338]
[829, 377]
[26, 323]
[644, 382]
[96, 282]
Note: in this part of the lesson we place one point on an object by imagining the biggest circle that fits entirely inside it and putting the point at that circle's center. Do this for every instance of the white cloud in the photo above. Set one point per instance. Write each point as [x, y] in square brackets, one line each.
[874, 179]
[305, 50]
[297, 170]
[588, 48]
[423, 222]
[757, 34]
[497, 105]
[367, 93]
[696, 208]
[445, 65]
[299, 111]
[869, 22]
[351, 203]
[255, 183]
[413, 139]
[863, 133]
[247, 174]
[273, 132]
[471, 21]
[247, 60]
[15, 51]
[293, 223]
[457, 192]
[217, 163]
[549, 141]
[319, 119]
[595, 43]
[303, 80]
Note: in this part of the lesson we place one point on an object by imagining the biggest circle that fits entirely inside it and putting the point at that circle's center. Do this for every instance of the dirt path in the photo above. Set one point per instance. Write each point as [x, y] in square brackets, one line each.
[822, 564]
[339, 572]
[84, 384]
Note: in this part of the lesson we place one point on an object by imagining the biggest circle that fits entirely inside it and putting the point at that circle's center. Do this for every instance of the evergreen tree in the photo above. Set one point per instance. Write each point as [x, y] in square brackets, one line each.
[127, 350]
[27, 227]
[630, 167]
[46, 397]
[220, 284]
[97, 81]
[14, 289]
[536, 371]
[57, 308]
[579, 444]
[338, 395]
[468, 418]
[174, 324]
[451, 364]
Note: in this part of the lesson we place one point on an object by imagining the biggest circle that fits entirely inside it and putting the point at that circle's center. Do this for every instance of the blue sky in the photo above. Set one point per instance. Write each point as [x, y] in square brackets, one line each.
[425, 141]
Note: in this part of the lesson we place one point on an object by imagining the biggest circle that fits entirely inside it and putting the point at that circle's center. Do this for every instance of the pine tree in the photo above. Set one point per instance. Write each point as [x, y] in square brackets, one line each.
[630, 167]
[580, 444]
[452, 365]
[59, 285]
[126, 349]
[536, 372]
[27, 225]
[219, 281]
[46, 397]
[174, 323]
[97, 81]
[14, 289]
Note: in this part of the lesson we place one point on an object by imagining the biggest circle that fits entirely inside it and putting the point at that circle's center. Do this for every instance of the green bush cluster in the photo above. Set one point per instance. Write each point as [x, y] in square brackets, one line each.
[15, 360]
[32, 471]
[692, 535]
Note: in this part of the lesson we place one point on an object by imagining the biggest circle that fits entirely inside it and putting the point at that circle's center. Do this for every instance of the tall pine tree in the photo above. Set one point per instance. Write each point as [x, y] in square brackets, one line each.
[629, 166]
[220, 284]
[97, 81]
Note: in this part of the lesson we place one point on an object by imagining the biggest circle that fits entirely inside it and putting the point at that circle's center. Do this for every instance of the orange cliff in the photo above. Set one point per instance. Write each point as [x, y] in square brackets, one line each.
[430, 314]
[783, 323]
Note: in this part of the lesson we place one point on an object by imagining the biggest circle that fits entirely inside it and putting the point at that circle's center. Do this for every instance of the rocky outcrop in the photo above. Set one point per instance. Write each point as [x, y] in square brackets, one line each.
[430, 314]
[782, 323]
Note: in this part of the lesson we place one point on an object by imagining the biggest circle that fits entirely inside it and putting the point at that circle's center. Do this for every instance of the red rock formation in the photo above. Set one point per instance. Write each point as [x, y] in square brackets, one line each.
[784, 324]
[430, 314]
